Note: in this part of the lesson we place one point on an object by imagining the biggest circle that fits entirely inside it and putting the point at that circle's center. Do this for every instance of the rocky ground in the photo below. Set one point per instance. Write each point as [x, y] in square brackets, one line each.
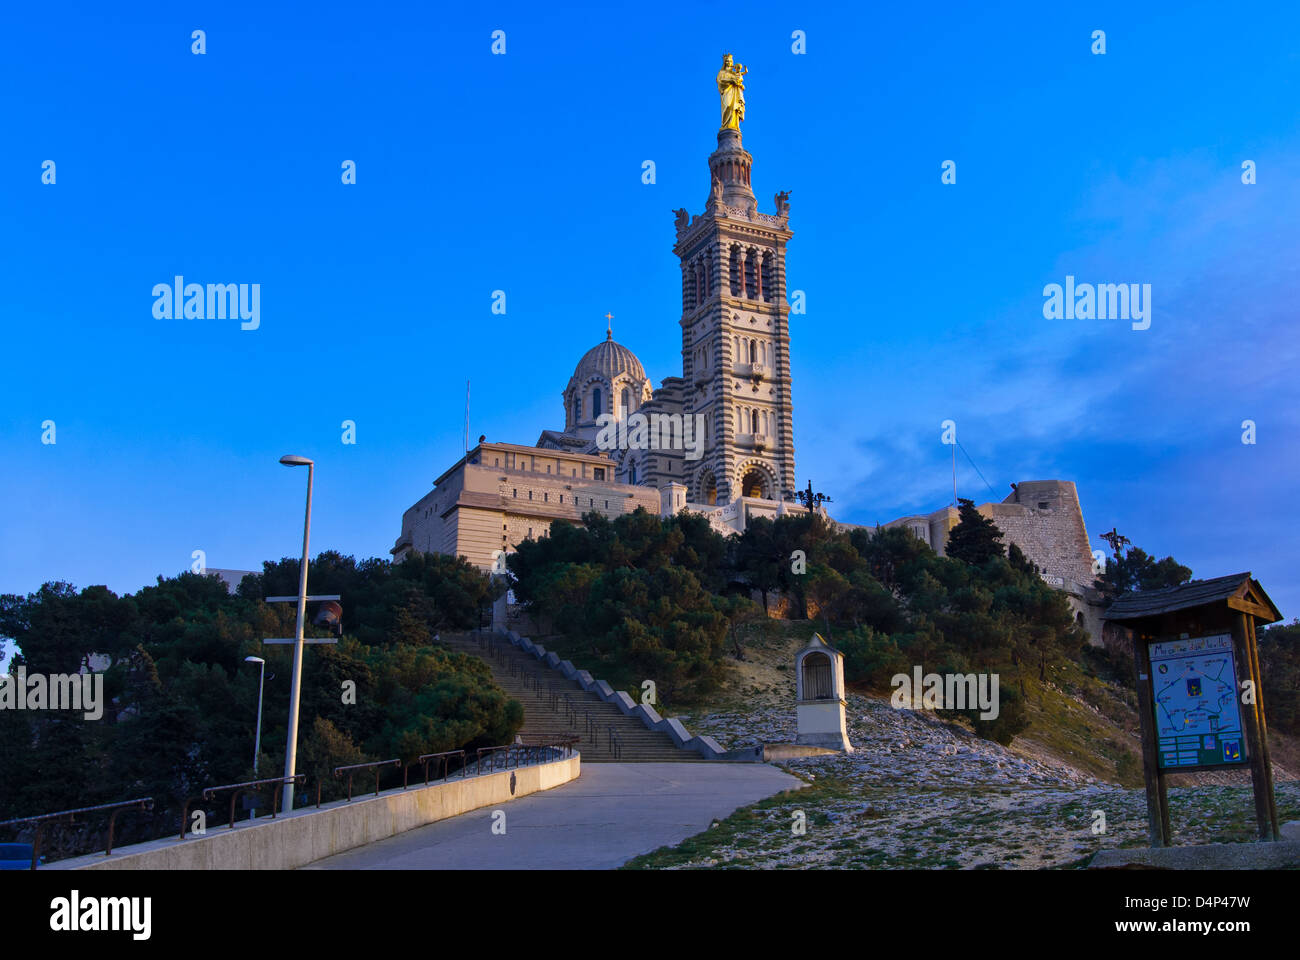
[920, 792]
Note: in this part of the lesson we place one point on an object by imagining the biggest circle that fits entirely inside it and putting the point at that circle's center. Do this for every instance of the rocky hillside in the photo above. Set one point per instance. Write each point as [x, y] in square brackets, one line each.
[922, 792]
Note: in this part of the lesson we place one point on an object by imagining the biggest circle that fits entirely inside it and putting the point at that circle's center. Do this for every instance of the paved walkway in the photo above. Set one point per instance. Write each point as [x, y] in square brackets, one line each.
[610, 814]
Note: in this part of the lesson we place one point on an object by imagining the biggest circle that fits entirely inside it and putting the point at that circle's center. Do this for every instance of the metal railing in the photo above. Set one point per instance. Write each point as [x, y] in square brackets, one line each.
[352, 768]
[210, 793]
[501, 757]
[444, 761]
[143, 803]
[523, 754]
[615, 743]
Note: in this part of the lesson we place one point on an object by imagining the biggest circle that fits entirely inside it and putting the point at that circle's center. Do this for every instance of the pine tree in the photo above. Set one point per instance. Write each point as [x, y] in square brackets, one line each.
[976, 538]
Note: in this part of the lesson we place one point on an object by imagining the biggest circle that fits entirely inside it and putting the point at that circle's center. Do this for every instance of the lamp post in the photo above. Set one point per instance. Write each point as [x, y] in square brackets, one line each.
[257, 740]
[291, 744]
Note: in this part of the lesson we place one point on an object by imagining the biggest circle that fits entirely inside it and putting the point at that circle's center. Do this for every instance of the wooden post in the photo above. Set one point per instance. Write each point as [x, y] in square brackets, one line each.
[1252, 645]
[1158, 831]
[1250, 720]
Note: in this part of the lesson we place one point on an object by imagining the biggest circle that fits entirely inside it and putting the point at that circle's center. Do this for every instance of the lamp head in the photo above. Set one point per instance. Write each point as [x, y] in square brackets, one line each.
[254, 660]
[293, 460]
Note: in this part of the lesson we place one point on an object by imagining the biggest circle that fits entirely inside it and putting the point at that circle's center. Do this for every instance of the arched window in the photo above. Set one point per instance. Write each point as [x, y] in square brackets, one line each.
[752, 352]
[817, 683]
[753, 421]
[627, 402]
[595, 403]
[631, 473]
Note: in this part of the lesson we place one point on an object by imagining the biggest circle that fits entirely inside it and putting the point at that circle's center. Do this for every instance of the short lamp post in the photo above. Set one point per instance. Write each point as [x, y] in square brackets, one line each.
[295, 691]
[257, 740]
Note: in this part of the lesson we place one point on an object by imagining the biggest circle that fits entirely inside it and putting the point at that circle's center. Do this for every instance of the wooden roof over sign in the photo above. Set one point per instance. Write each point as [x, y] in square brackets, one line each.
[1238, 591]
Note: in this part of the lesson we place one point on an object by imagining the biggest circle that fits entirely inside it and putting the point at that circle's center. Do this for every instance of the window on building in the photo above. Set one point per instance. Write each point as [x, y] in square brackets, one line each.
[1042, 505]
[595, 403]
[598, 473]
[546, 498]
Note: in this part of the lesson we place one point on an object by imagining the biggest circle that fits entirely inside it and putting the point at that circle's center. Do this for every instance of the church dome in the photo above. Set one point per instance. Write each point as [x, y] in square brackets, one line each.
[607, 360]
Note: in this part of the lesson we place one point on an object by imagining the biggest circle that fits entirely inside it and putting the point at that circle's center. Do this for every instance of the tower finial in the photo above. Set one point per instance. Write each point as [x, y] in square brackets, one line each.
[609, 326]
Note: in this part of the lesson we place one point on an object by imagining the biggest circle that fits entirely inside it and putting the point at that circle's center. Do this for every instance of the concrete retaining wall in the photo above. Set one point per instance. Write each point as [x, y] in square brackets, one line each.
[288, 842]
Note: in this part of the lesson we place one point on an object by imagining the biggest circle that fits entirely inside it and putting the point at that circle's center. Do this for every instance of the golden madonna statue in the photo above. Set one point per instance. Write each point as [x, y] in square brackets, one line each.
[731, 85]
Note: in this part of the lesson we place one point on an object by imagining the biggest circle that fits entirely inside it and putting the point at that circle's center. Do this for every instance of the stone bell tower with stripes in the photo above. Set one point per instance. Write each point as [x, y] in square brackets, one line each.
[735, 333]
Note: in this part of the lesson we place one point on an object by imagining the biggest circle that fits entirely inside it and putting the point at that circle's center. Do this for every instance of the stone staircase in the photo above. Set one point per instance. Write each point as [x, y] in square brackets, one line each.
[555, 708]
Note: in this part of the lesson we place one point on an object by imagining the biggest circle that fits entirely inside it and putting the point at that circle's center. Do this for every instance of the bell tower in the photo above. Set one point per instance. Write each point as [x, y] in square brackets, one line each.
[735, 333]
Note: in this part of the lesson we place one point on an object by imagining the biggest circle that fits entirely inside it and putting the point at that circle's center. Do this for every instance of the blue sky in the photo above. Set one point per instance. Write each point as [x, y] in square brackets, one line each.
[522, 173]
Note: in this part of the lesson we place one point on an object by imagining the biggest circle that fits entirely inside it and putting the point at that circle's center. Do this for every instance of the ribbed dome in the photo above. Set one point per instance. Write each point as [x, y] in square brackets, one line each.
[607, 360]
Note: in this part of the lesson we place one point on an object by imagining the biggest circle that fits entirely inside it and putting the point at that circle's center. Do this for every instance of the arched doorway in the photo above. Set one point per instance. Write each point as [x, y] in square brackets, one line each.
[709, 488]
[755, 484]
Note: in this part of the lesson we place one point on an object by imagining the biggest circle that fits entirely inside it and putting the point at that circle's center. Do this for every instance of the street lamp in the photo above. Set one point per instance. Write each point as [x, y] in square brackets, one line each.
[291, 746]
[257, 741]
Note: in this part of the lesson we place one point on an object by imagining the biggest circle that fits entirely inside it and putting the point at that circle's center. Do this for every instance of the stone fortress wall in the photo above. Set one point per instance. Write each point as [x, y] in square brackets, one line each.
[1045, 520]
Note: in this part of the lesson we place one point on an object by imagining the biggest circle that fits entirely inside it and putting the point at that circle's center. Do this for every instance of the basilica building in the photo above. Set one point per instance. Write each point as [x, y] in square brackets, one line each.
[720, 437]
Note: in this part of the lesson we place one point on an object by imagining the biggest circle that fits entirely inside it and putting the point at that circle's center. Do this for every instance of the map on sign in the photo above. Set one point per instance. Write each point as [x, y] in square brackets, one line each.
[1194, 695]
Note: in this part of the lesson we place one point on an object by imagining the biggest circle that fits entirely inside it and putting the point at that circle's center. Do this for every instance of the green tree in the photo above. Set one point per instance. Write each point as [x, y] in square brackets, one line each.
[975, 538]
[1136, 570]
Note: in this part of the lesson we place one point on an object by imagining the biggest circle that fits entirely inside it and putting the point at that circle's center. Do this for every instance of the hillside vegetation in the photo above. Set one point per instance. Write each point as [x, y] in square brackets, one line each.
[182, 703]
